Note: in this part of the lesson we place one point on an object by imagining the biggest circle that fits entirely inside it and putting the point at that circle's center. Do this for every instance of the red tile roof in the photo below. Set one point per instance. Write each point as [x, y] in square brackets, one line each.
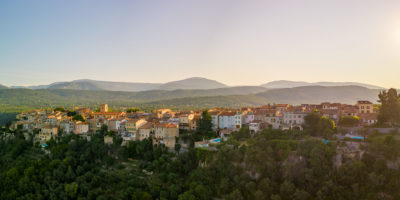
[166, 125]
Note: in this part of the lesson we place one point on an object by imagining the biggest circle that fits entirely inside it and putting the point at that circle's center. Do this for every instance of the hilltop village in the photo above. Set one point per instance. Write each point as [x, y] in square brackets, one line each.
[164, 125]
[276, 151]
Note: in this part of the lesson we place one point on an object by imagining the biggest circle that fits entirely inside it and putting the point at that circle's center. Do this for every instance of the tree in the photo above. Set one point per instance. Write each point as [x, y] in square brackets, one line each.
[287, 189]
[205, 126]
[349, 121]
[389, 112]
[132, 110]
[61, 109]
[243, 133]
[317, 125]
[71, 113]
[311, 123]
[103, 129]
[326, 127]
[78, 117]
[70, 175]
[71, 189]
[177, 147]
[205, 123]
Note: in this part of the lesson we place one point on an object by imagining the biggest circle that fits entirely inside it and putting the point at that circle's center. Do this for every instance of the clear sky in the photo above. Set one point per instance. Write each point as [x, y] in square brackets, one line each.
[237, 42]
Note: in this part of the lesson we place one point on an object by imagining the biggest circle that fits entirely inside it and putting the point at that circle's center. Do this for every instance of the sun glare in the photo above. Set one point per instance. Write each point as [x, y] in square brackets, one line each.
[398, 35]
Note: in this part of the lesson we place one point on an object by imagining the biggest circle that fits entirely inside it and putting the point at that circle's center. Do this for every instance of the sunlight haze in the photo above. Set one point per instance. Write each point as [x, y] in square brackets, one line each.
[234, 42]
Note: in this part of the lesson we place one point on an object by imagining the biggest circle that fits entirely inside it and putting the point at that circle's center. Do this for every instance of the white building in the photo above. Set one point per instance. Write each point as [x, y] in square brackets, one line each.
[254, 127]
[67, 126]
[230, 120]
[293, 118]
[81, 127]
[214, 119]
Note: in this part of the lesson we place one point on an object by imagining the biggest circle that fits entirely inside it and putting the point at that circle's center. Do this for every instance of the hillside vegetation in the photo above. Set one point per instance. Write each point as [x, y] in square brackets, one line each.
[292, 84]
[318, 94]
[229, 97]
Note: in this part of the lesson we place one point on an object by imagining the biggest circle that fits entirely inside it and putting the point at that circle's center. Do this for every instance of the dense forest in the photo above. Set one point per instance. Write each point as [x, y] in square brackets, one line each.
[271, 165]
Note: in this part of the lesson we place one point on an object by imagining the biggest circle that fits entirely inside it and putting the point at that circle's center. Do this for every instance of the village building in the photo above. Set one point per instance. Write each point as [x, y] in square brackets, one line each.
[145, 131]
[195, 122]
[165, 133]
[365, 107]
[46, 133]
[185, 120]
[81, 127]
[132, 125]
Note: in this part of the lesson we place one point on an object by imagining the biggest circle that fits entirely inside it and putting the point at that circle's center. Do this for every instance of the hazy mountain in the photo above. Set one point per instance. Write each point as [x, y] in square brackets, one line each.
[3, 87]
[192, 83]
[235, 96]
[106, 85]
[76, 86]
[172, 94]
[185, 84]
[318, 94]
[86, 84]
[37, 87]
[292, 84]
[212, 101]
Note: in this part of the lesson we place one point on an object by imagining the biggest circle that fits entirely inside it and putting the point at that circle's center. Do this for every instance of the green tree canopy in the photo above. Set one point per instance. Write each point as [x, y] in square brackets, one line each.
[132, 110]
[61, 109]
[205, 126]
[316, 125]
[349, 121]
[389, 112]
[78, 117]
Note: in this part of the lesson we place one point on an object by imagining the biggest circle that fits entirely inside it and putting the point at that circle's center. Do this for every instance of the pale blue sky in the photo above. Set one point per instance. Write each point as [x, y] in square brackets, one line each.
[237, 42]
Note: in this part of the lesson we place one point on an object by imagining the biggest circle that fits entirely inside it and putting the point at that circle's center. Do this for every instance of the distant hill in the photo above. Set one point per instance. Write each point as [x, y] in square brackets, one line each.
[195, 83]
[3, 87]
[212, 101]
[76, 86]
[292, 84]
[86, 84]
[318, 94]
[14, 99]
[192, 83]
[60, 96]
[104, 85]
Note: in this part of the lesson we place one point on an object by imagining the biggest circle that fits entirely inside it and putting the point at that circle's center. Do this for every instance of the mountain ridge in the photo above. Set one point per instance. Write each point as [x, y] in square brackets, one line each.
[292, 84]
[188, 83]
[222, 97]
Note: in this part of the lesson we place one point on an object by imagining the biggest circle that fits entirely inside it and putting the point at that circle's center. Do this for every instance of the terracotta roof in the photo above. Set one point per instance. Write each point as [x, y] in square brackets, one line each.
[148, 125]
[109, 113]
[213, 112]
[166, 125]
[133, 120]
[364, 102]
[264, 112]
[282, 105]
[227, 114]
[330, 111]
[296, 109]
[196, 117]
